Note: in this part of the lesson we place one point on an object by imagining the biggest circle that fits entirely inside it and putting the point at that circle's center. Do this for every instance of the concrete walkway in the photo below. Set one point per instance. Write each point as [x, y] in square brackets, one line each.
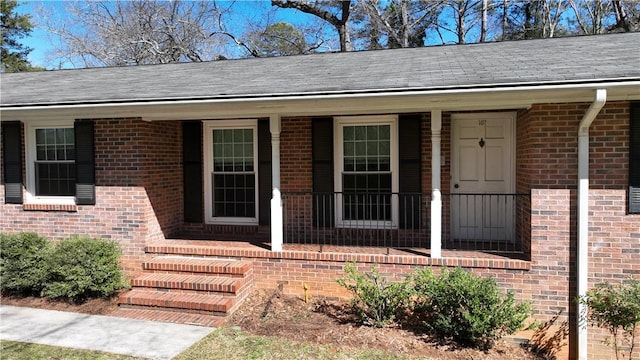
[147, 339]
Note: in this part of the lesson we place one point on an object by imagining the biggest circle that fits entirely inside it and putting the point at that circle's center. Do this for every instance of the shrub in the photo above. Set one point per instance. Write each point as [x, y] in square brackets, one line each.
[23, 263]
[466, 308]
[376, 301]
[616, 308]
[81, 268]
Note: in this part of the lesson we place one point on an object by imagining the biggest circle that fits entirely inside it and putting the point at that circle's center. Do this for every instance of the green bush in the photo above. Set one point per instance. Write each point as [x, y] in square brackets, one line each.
[23, 263]
[616, 308]
[466, 308]
[376, 301]
[80, 268]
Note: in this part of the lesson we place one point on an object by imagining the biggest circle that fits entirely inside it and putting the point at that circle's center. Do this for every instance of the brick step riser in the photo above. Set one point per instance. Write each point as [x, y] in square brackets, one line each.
[192, 272]
[183, 304]
[196, 252]
[238, 293]
[213, 287]
[176, 310]
[169, 316]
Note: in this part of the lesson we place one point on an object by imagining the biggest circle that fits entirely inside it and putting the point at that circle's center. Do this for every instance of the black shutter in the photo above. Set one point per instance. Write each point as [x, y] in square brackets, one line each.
[85, 163]
[264, 172]
[12, 161]
[634, 158]
[322, 167]
[409, 159]
[192, 170]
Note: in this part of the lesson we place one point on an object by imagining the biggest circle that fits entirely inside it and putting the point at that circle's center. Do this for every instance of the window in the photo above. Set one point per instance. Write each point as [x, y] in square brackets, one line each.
[51, 161]
[366, 173]
[232, 172]
[55, 162]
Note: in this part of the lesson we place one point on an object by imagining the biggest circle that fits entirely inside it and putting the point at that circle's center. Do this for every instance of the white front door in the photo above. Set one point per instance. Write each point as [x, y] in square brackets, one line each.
[482, 168]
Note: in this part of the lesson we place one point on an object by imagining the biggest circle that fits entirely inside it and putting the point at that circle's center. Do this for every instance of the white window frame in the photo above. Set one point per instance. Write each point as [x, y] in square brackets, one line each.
[31, 156]
[209, 126]
[338, 136]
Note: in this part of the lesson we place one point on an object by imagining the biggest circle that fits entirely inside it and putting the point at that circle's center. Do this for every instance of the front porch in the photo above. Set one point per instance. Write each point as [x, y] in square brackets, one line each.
[494, 223]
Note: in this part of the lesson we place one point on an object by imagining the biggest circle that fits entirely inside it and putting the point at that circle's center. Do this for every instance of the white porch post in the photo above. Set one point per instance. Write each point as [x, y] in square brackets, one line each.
[436, 199]
[276, 199]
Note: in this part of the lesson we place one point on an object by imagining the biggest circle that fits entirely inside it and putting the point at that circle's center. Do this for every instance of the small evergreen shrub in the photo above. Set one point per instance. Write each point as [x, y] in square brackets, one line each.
[80, 268]
[23, 263]
[617, 309]
[376, 301]
[466, 308]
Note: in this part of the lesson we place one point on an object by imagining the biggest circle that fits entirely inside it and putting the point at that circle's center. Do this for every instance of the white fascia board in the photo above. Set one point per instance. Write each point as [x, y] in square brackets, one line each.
[329, 104]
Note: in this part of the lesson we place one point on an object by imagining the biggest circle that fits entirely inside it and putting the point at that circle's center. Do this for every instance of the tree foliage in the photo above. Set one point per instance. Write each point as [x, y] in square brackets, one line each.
[334, 12]
[119, 32]
[279, 39]
[106, 33]
[14, 27]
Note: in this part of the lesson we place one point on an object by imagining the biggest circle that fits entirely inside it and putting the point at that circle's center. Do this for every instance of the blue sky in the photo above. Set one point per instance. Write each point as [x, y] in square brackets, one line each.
[40, 40]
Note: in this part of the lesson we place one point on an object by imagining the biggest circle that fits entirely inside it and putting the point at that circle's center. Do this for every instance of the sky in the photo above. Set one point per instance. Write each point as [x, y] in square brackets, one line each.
[38, 40]
[41, 41]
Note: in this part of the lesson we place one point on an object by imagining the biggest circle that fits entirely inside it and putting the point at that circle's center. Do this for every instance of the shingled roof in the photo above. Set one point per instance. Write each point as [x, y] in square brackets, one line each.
[585, 59]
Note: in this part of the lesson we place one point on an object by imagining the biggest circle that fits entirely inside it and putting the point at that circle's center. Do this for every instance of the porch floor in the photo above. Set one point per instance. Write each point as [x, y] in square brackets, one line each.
[414, 256]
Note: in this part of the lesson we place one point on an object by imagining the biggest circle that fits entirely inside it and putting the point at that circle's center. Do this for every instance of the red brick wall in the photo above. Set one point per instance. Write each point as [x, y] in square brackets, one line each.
[295, 155]
[547, 163]
[134, 204]
[614, 252]
[162, 149]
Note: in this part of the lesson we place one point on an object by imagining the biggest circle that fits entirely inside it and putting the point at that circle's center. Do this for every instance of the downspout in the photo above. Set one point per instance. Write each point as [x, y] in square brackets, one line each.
[583, 214]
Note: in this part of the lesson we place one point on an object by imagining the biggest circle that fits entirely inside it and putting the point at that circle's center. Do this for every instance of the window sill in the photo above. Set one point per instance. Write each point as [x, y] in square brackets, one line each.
[50, 207]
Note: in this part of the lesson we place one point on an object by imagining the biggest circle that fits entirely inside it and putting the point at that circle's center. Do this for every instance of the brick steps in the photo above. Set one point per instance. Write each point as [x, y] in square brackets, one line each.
[205, 283]
[173, 316]
[187, 289]
[199, 303]
[196, 265]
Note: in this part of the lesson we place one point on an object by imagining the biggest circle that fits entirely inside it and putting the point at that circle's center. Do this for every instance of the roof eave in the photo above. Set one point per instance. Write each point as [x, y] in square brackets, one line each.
[494, 96]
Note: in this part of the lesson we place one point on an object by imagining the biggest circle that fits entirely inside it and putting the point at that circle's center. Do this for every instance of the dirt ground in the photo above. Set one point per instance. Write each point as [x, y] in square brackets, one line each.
[323, 321]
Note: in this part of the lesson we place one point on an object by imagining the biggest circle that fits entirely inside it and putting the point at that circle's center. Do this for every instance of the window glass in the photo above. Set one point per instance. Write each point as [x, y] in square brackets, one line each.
[366, 177]
[233, 178]
[55, 171]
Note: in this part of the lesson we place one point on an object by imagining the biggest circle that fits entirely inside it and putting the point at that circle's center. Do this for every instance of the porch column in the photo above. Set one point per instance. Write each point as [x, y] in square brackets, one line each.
[436, 198]
[276, 200]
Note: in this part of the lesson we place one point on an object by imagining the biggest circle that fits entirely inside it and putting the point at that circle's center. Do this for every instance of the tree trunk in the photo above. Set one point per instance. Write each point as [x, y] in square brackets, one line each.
[621, 16]
[483, 23]
[505, 19]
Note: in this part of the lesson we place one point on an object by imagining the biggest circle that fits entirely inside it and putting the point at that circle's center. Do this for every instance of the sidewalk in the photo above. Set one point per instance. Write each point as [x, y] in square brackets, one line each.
[147, 339]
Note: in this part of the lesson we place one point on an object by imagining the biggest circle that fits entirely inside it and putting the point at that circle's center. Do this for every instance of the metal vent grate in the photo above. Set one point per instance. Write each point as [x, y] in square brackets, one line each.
[634, 200]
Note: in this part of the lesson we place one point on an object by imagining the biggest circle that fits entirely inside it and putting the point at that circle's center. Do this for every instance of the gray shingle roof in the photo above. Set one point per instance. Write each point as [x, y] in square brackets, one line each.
[537, 62]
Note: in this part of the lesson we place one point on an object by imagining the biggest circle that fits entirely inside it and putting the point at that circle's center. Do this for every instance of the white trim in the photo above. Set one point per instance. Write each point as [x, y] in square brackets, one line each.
[275, 127]
[30, 158]
[340, 123]
[208, 127]
[436, 198]
[492, 98]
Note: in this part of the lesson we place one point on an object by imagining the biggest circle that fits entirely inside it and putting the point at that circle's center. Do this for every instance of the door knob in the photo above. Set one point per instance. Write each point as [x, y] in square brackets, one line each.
[456, 186]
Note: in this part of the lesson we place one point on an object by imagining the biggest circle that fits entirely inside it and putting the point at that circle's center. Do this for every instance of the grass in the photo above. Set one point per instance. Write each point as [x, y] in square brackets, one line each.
[13, 350]
[237, 345]
[224, 343]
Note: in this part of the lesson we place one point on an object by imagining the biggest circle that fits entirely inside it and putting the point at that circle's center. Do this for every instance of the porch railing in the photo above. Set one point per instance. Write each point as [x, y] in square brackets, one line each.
[491, 222]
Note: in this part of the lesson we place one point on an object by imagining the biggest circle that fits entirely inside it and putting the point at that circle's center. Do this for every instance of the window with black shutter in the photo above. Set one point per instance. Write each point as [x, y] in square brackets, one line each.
[59, 162]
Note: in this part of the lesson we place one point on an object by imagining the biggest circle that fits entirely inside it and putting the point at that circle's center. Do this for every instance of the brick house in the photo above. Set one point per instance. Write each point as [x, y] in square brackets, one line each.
[519, 160]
